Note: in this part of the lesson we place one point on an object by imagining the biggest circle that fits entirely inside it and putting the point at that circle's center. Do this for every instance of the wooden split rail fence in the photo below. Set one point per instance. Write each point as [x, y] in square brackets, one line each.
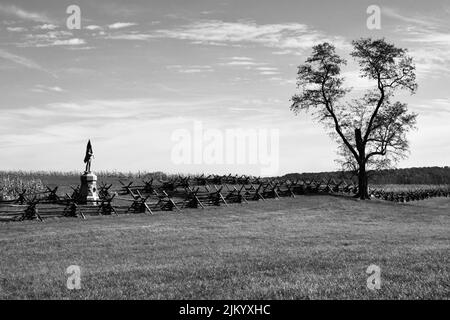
[183, 192]
[413, 195]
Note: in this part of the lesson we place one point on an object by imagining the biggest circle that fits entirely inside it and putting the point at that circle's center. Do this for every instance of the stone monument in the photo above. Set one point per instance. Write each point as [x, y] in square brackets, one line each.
[88, 190]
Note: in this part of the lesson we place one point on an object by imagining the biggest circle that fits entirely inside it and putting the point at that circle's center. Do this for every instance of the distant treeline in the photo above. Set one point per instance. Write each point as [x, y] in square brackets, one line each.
[106, 174]
[72, 178]
[425, 175]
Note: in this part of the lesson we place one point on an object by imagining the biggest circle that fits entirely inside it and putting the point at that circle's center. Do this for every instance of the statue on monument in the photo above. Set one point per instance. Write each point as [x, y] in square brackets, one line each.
[88, 189]
[88, 157]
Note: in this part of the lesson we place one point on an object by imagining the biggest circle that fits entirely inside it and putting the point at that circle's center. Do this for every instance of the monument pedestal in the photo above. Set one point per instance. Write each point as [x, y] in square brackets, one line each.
[88, 190]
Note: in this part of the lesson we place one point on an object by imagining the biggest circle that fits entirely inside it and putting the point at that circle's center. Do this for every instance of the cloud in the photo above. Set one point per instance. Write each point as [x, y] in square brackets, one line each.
[52, 38]
[354, 80]
[46, 26]
[283, 36]
[242, 61]
[28, 63]
[431, 52]
[129, 36]
[45, 89]
[429, 40]
[93, 27]
[120, 25]
[242, 58]
[247, 63]
[16, 29]
[191, 68]
[435, 38]
[433, 106]
[431, 61]
[282, 81]
[51, 35]
[97, 110]
[283, 52]
[23, 14]
[69, 42]
[423, 21]
[442, 102]
[267, 69]
[55, 89]
[268, 73]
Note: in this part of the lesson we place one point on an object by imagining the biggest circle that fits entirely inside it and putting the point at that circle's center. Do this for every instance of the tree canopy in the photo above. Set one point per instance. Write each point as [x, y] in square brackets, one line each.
[371, 130]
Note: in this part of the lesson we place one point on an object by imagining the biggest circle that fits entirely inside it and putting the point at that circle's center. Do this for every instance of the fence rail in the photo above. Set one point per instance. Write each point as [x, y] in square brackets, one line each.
[150, 196]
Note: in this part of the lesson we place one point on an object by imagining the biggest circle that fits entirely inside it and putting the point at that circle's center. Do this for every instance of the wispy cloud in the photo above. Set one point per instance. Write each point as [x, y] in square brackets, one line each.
[121, 25]
[93, 27]
[434, 38]
[421, 20]
[247, 63]
[120, 110]
[241, 58]
[242, 61]
[282, 36]
[16, 29]
[122, 35]
[45, 89]
[69, 42]
[23, 14]
[269, 73]
[428, 39]
[267, 69]
[283, 52]
[191, 68]
[28, 63]
[129, 36]
[52, 38]
[431, 51]
[46, 26]
[354, 80]
[433, 106]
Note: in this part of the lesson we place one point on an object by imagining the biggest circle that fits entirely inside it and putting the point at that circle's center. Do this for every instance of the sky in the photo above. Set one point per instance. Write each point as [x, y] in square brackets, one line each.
[138, 72]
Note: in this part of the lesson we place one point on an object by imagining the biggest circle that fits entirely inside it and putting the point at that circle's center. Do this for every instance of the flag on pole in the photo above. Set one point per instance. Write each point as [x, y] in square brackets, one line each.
[89, 152]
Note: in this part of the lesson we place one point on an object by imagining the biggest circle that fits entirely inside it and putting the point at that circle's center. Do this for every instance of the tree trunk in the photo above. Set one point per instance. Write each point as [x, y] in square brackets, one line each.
[363, 185]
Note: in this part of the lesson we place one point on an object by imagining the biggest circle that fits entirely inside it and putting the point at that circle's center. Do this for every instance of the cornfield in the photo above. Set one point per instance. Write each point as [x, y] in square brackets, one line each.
[11, 187]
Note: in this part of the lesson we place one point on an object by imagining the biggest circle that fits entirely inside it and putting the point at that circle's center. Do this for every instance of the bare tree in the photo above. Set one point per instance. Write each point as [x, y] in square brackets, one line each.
[371, 131]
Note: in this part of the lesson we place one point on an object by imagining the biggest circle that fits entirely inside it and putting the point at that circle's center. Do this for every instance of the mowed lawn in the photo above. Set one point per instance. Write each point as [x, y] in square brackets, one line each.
[310, 247]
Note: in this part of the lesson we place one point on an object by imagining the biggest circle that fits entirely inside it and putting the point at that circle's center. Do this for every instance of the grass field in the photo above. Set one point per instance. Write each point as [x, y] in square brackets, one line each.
[309, 247]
